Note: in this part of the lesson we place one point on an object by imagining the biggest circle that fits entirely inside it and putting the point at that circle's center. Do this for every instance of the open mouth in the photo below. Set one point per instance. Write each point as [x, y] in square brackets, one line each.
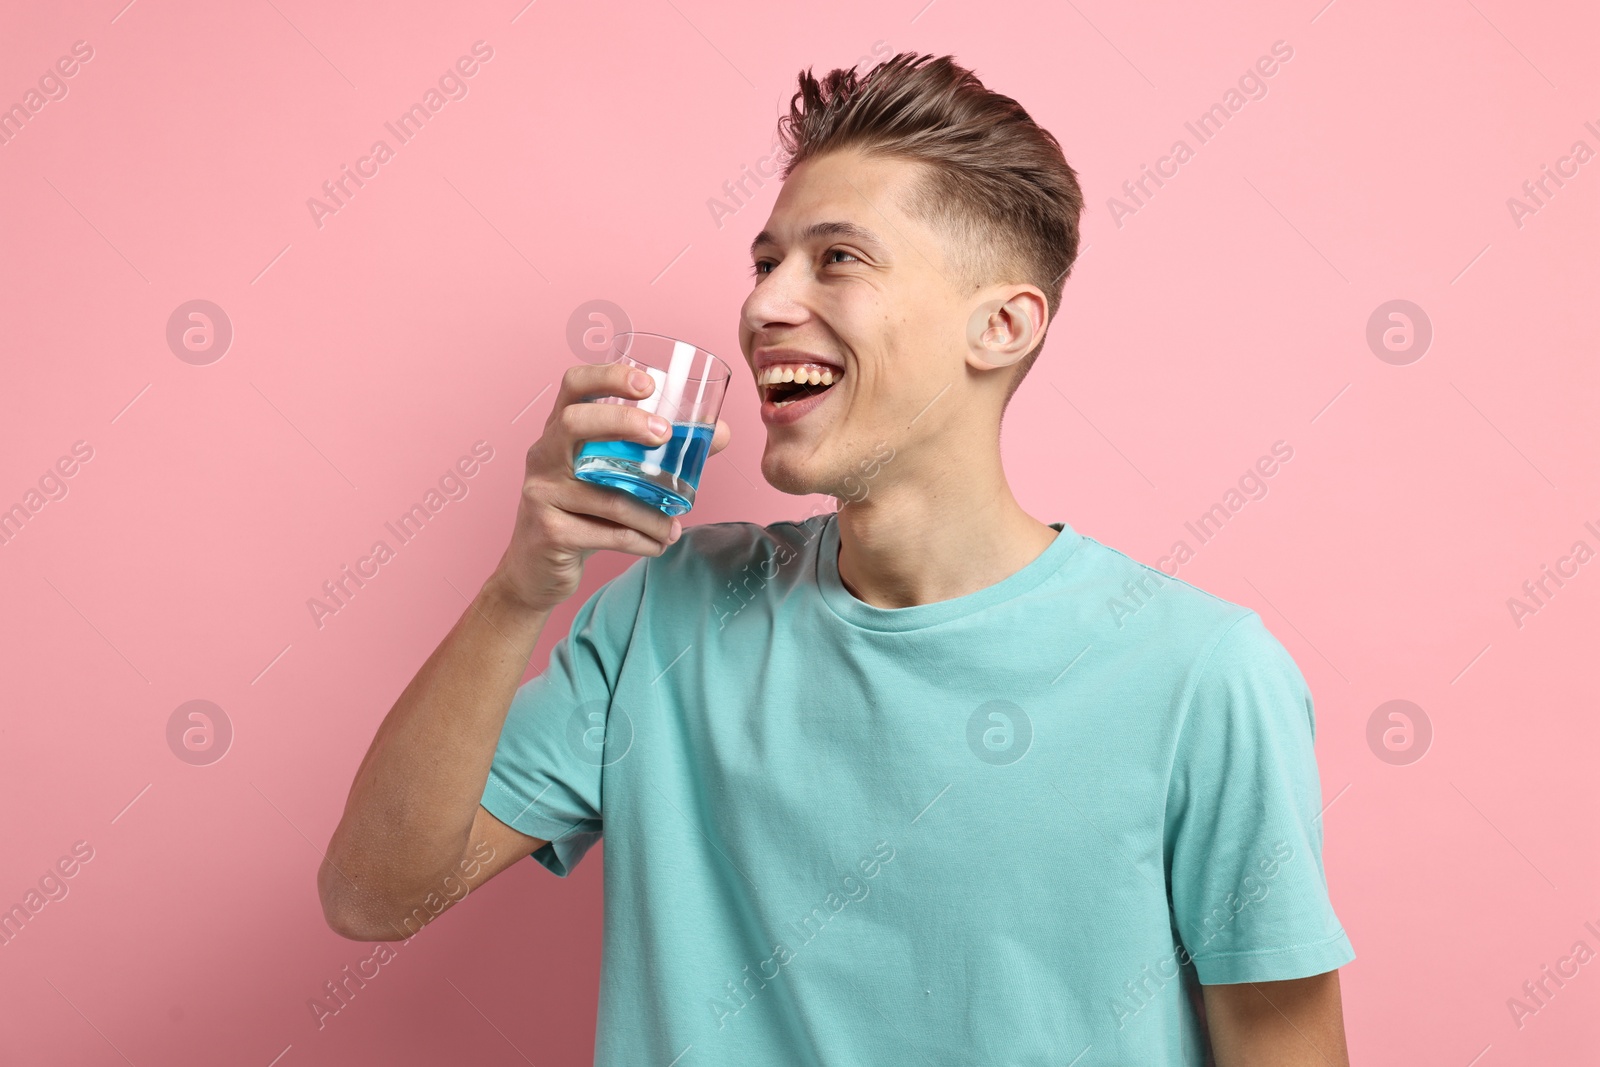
[783, 384]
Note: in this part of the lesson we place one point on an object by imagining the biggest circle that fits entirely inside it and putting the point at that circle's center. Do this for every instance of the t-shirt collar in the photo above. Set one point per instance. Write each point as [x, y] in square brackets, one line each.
[844, 604]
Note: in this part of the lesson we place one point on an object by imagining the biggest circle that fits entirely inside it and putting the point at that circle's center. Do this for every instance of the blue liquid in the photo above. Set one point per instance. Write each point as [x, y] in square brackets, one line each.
[664, 477]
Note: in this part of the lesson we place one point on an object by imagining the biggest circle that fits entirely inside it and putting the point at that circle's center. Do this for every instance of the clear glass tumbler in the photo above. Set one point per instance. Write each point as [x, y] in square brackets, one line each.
[690, 385]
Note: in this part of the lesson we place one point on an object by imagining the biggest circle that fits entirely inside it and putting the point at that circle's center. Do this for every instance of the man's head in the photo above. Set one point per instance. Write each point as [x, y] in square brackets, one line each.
[918, 246]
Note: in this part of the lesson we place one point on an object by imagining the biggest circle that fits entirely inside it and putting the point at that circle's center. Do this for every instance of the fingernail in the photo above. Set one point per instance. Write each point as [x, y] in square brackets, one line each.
[677, 532]
[659, 426]
[639, 379]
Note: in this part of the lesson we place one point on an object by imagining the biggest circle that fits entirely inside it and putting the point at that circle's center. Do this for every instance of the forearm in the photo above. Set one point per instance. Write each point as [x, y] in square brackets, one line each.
[412, 803]
[1295, 1023]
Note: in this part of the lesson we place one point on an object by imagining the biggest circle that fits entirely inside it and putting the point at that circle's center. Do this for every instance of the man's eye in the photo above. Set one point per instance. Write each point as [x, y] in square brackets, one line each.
[765, 266]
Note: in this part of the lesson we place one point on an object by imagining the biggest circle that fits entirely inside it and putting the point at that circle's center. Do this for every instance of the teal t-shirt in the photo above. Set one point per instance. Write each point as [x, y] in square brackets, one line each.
[1014, 827]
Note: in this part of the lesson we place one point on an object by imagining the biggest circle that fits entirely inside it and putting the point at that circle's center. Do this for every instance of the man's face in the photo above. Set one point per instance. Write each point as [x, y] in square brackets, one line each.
[845, 279]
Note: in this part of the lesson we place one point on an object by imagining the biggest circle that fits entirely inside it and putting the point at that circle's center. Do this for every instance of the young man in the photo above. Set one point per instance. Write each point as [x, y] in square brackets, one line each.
[923, 780]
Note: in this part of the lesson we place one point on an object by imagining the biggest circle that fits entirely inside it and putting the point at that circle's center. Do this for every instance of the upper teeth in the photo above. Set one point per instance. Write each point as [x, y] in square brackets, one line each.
[808, 373]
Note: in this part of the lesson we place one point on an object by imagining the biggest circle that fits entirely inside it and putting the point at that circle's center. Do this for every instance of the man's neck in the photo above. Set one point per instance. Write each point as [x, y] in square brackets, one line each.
[908, 545]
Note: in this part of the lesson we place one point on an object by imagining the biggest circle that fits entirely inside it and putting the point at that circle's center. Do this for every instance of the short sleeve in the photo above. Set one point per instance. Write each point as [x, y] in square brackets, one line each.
[1243, 829]
[548, 765]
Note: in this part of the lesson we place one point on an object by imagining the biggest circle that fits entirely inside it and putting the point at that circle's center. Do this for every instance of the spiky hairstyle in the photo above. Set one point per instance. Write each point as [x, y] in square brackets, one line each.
[993, 180]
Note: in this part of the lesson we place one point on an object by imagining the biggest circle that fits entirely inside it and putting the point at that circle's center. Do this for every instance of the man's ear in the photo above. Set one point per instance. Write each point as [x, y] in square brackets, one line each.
[1006, 326]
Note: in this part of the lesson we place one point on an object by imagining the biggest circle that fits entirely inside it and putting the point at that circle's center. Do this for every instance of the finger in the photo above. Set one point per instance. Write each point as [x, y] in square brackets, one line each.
[587, 500]
[592, 534]
[720, 437]
[587, 381]
[611, 422]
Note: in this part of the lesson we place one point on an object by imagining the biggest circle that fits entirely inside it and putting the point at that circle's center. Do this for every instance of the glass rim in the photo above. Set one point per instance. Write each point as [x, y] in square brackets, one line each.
[718, 366]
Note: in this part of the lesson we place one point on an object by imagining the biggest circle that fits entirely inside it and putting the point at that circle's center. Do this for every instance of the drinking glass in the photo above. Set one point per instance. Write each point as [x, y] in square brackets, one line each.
[690, 383]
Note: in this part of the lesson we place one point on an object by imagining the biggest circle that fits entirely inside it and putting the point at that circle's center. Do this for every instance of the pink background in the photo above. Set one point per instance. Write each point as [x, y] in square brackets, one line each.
[1228, 312]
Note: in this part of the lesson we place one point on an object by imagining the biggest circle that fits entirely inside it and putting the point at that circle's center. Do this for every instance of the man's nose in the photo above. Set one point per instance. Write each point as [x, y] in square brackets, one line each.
[778, 300]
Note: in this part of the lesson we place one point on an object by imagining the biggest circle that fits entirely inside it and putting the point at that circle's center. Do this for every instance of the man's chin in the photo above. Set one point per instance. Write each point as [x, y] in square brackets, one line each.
[787, 476]
[785, 481]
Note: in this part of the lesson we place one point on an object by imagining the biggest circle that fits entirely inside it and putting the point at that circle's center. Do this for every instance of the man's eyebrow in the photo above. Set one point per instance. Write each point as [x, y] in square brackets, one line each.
[825, 229]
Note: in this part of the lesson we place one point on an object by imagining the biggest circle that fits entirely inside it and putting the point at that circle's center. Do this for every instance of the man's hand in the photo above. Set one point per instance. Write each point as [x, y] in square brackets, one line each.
[561, 520]
[1296, 1023]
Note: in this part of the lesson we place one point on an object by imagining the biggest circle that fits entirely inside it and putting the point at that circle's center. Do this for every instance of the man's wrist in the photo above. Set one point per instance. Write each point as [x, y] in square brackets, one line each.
[516, 619]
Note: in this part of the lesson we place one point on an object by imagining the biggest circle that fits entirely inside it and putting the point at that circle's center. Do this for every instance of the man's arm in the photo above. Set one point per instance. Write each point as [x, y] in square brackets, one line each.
[413, 830]
[1294, 1023]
